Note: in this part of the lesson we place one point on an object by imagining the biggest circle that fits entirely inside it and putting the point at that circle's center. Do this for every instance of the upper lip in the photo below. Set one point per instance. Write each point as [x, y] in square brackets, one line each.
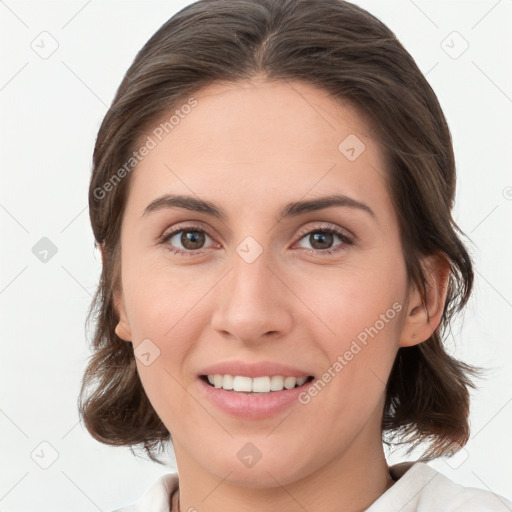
[256, 369]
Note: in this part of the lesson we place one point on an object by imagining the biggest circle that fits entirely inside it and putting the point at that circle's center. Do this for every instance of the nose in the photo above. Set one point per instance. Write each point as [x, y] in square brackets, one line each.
[253, 302]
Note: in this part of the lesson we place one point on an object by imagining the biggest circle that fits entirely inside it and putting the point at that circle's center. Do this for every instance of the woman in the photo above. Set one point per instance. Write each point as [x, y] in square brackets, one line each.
[271, 194]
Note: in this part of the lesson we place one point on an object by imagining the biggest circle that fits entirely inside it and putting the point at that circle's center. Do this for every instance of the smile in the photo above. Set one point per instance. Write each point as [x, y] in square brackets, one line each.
[256, 385]
[253, 398]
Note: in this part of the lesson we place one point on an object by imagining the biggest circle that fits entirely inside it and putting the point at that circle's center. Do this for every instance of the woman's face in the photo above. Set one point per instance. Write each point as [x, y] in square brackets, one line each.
[265, 291]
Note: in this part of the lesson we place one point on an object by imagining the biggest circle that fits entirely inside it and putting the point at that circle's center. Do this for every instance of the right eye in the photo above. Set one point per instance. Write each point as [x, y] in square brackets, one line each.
[190, 237]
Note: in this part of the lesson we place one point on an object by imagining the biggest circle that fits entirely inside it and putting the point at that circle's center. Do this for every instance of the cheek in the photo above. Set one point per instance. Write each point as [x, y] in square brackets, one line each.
[159, 300]
[165, 311]
[351, 299]
[361, 311]
[167, 308]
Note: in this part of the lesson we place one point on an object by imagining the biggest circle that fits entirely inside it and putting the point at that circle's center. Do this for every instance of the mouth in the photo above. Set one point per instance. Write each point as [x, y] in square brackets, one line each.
[258, 386]
[254, 397]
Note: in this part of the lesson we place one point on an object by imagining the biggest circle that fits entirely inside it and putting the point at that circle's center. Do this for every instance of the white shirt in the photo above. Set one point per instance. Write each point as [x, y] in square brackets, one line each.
[419, 488]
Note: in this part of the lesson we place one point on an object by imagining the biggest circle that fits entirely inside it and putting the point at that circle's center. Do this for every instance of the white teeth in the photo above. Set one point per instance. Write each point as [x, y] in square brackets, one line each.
[276, 383]
[256, 385]
[261, 384]
[218, 381]
[228, 382]
[290, 382]
[242, 383]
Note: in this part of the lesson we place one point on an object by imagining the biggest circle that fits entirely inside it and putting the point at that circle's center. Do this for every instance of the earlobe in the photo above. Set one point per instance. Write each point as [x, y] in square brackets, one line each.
[123, 327]
[100, 248]
[424, 316]
[123, 331]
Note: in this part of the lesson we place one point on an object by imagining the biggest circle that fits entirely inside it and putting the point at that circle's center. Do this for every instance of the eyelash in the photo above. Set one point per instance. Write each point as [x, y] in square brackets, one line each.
[346, 239]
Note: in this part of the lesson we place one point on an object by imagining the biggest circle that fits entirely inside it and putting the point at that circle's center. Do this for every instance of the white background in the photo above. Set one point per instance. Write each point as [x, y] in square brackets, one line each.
[51, 109]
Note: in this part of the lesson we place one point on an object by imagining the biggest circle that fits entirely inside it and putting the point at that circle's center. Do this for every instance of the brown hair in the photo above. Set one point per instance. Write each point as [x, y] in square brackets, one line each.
[342, 49]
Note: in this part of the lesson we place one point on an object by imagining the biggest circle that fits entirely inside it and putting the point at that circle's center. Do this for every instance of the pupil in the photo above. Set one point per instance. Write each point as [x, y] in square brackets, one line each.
[319, 236]
[191, 237]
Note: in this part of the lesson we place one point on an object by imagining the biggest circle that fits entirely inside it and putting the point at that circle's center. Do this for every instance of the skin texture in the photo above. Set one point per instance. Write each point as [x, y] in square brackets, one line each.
[251, 148]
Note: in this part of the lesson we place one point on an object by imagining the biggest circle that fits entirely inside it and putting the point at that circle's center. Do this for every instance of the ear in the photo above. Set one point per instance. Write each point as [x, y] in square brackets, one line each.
[123, 327]
[423, 317]
[100, 248]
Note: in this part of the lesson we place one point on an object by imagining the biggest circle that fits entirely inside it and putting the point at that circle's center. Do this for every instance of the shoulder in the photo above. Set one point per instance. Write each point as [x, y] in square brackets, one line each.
[420, 488]
[156, 498]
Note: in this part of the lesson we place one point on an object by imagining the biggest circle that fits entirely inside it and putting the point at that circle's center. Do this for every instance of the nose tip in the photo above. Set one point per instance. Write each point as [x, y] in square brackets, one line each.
[251, 303]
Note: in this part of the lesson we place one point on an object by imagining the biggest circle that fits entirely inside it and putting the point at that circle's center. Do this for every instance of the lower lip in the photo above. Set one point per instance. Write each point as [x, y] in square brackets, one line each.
[253, 407]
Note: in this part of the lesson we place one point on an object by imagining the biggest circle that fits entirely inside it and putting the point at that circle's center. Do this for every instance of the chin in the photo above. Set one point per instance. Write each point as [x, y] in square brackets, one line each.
[250, 467]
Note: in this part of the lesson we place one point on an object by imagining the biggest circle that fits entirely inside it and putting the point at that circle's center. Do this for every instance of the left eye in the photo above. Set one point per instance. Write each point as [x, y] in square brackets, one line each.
[320, 237]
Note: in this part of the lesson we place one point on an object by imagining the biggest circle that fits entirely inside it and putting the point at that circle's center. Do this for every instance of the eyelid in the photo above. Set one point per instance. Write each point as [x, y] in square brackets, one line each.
[320, 226]
[192, 225]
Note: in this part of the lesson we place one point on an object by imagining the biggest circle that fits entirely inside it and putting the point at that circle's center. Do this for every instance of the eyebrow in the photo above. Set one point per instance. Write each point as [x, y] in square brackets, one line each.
[290, 210]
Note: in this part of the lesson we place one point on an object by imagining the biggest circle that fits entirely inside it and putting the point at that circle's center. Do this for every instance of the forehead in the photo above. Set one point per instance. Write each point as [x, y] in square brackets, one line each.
[261, 118]
[258, 137]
